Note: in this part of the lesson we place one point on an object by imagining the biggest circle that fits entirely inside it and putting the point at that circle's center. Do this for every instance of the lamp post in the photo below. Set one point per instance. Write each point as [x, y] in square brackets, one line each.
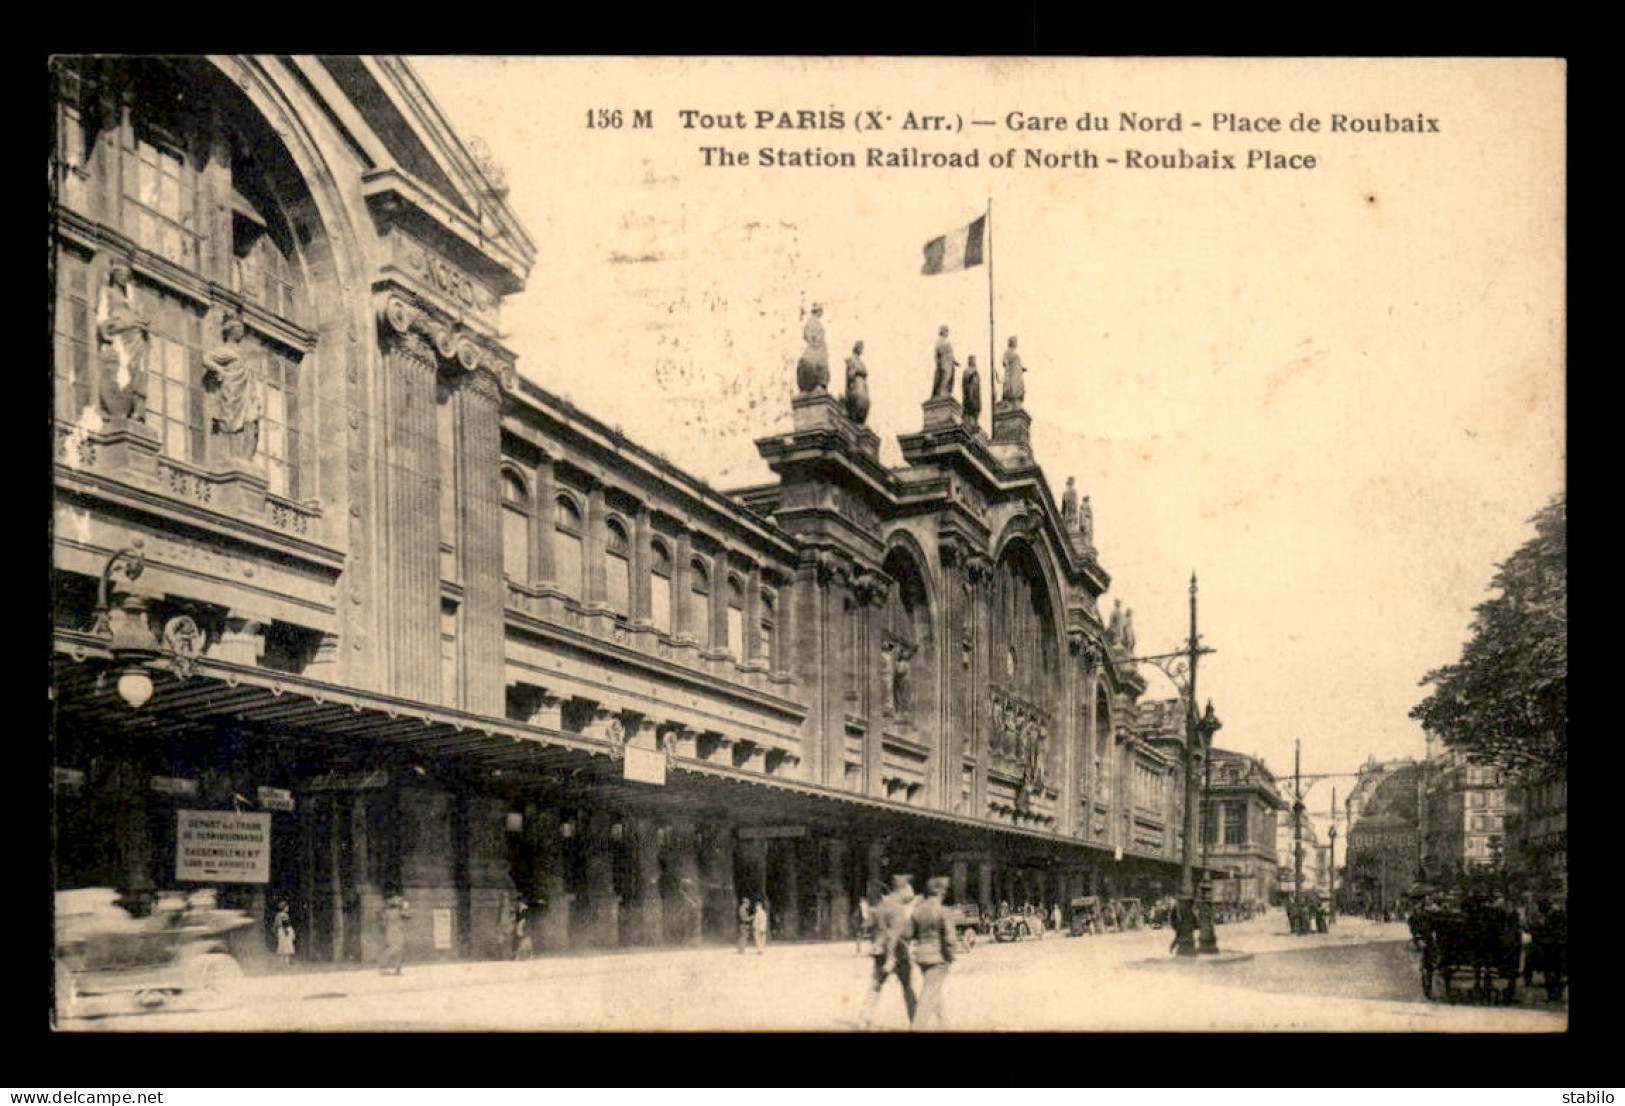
[1208, 942]
[1180, 668]
[121, 617]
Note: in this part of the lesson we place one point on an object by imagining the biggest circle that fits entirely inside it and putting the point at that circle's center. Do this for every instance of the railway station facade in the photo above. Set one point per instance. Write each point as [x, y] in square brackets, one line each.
[333, 582]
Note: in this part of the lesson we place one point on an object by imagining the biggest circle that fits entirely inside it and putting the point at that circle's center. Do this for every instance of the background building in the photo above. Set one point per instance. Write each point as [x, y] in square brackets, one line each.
[1241, 808]
[344, 607]
[1384, 835]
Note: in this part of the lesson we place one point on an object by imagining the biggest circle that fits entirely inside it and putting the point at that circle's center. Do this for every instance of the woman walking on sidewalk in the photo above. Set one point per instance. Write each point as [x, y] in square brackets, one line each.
[758, 926]
[395, 916]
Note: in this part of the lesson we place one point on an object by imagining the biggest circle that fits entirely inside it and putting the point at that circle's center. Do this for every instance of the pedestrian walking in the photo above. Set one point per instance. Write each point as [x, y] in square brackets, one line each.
[521, 931]
[889, 950]
[758, 927]
[395, 916]
[745, 915]
[282, 928]
[932, 947]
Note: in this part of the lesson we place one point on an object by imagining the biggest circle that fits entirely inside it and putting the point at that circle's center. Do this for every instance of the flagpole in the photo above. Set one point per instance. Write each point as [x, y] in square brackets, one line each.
[992, 368]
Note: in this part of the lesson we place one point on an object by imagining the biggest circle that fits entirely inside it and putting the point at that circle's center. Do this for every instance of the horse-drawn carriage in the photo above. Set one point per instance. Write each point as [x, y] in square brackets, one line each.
[108, 962]
[1479, 946]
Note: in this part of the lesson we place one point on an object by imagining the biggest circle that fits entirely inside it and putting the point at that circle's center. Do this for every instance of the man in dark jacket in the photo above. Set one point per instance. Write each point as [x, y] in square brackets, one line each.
[933, 946]
[893, 925]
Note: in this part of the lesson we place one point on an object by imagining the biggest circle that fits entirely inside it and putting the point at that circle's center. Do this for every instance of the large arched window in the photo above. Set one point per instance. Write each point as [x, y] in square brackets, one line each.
[617, 567]
[1026, 674]
[567, 538]
[515, 527]
[699, 603]
[660, 606]
[199, 193]
[736, 618]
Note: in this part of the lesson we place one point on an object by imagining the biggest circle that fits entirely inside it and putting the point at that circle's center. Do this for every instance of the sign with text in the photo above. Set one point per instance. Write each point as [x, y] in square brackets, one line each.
[441, 921]
[220, 846]
[275, 798]
[644, 765]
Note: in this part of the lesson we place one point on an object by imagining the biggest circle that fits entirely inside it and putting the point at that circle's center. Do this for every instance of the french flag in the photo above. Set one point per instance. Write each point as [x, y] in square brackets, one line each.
[959, 250]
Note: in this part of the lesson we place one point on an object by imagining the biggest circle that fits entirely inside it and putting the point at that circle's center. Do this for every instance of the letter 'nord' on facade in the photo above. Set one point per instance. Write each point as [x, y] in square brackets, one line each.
[452, 638]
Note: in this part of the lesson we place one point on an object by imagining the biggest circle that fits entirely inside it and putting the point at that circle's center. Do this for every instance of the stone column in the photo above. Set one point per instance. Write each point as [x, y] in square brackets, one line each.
[790, 909]
[717, 875]
[648, 919]
[601, 919]
[592, 548]
[961, 877]
[684, 892]
[542, 512]
[363, 900]
[753, 852]
[984, 882]
[409, 583]
[479, 542]
[550, 928]
[875, 866]
[490, 888]
[839, 911]
[132, 838]
[428, 866]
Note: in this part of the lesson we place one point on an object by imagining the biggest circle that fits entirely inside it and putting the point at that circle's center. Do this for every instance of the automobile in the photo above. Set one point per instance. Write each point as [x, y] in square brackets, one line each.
[1084, 916]
[1016, 926]
[969, 924]
[109, 962]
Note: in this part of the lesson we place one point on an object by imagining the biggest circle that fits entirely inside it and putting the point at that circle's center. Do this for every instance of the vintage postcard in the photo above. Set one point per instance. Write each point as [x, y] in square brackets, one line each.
[823, 544]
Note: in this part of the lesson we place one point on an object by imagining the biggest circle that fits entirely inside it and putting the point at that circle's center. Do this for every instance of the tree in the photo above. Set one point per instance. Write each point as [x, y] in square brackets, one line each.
[1505, 703]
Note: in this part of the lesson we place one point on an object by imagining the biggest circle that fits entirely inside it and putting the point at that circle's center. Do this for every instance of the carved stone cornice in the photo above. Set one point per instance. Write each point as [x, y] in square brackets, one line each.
[832, 569]
[413, 326]
[871, 587]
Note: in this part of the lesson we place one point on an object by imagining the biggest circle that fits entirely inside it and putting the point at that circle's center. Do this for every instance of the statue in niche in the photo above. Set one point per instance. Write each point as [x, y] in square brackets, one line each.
[888, 677]
[1086, 522]
[1015, 383]
[237, 394]
[812, 371]
[122, 338]
[973, 391]
[942, 380]
[903, 680]
[857, 386]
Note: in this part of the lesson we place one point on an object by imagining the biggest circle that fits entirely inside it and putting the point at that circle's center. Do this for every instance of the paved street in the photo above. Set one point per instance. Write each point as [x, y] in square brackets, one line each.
[1360, 977]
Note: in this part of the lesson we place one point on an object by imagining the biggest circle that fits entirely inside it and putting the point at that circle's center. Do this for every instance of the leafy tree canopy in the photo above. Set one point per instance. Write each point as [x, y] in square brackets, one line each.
[1505, 702]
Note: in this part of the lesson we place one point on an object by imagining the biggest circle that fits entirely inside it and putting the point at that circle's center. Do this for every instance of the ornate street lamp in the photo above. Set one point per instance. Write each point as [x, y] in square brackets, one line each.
[1180, 668]
[123, 618]
[1209, 939]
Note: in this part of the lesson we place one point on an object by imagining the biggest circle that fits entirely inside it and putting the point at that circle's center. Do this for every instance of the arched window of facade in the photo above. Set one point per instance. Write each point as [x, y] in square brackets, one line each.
[171, 157]
[515, 527]
[660, 605]
[1027, 670]
[567, 539]
[908, 664]
[617, 567]
[767, 643]
[699, 603]
[736, 618]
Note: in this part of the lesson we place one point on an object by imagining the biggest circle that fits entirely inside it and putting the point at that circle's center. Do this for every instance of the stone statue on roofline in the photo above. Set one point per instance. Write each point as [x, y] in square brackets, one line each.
[1069, 505]
[942, 379]
[857, 386]
[1015, 383]
[812, 371]
[972, 384]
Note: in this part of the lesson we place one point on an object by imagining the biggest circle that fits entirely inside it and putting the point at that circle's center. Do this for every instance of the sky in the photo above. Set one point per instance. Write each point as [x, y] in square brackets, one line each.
[1336, 393]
